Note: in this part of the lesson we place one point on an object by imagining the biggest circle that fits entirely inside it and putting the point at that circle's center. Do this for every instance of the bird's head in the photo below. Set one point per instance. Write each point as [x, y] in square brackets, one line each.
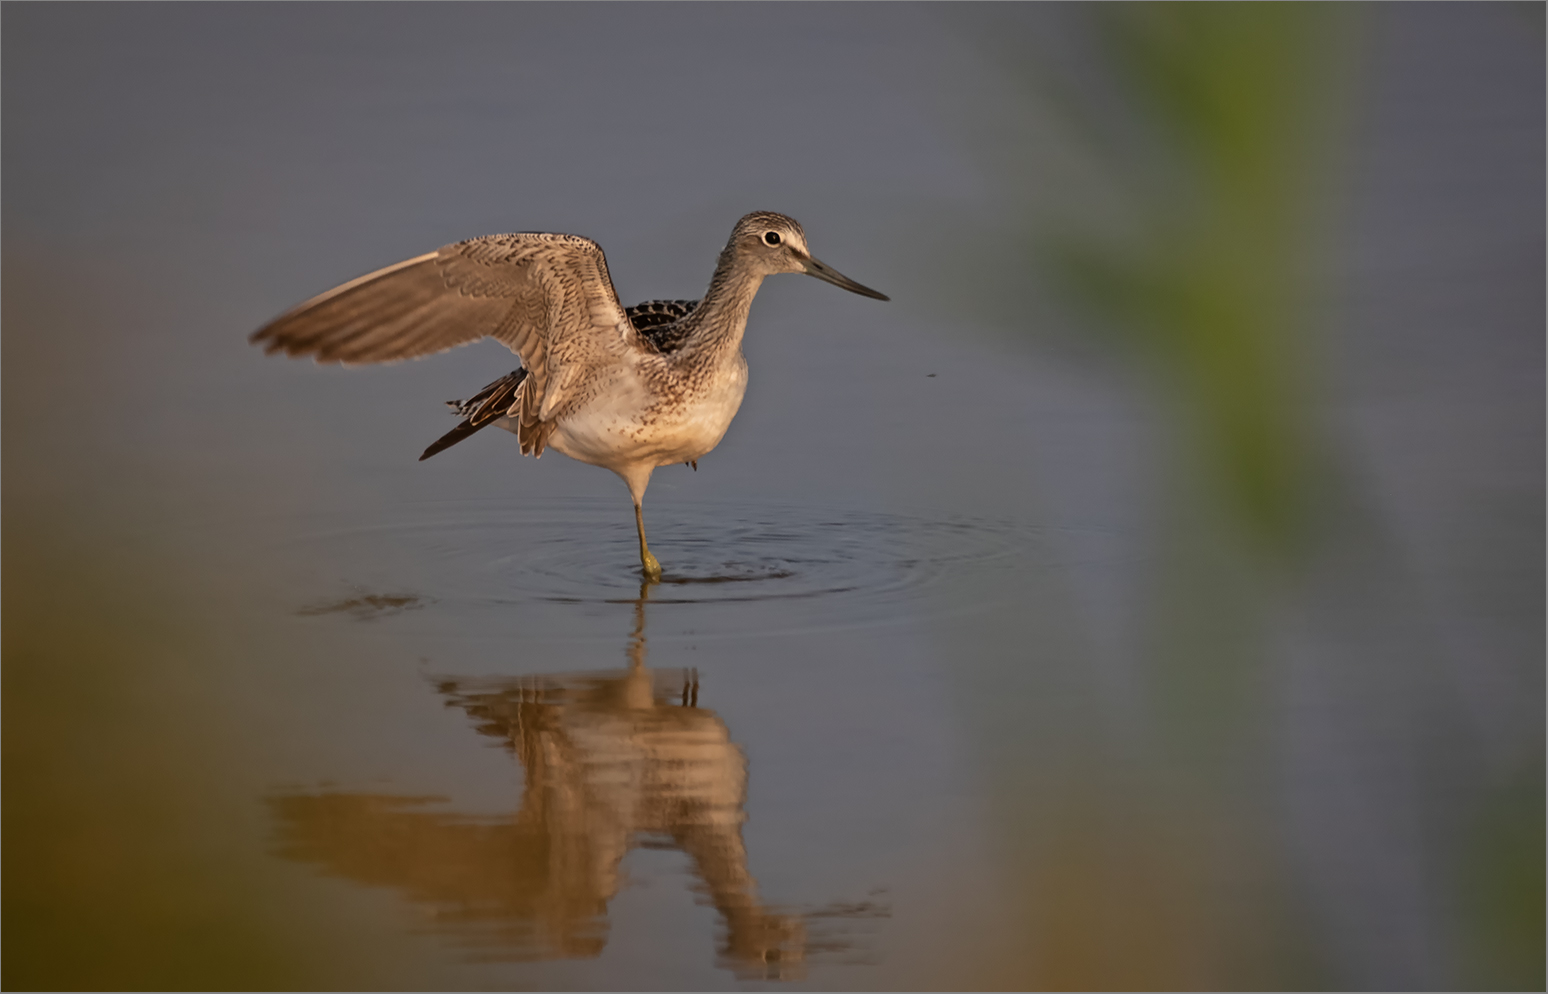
[773, 243]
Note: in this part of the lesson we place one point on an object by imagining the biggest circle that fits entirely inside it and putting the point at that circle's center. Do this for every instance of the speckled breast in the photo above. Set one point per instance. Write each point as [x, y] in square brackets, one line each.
[679, 422]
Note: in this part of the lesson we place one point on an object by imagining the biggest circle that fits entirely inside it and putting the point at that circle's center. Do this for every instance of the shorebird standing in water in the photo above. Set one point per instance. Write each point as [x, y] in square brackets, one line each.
[628, 390]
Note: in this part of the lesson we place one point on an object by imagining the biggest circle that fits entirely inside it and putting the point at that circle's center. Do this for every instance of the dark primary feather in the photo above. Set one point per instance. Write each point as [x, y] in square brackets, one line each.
[655, 320]
[499, 394]
[480, 410]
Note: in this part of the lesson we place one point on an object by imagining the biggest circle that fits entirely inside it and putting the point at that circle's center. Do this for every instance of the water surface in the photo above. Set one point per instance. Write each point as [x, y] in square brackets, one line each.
[962, 673]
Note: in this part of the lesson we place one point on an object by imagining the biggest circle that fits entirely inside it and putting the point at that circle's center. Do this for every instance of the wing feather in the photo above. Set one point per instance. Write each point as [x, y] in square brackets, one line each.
[547, 297]
[484, 408]
[659, 322]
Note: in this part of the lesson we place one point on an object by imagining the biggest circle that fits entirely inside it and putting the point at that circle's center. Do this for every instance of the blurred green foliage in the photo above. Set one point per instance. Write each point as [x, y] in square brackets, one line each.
[1181, 171]
[1231, 108]
[1503, 887]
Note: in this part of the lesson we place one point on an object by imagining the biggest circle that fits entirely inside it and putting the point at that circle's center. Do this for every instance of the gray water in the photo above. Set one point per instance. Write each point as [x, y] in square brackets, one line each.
[962, 672]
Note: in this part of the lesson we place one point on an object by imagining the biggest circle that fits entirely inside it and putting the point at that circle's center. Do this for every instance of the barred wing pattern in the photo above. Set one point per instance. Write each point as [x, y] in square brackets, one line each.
[547, 297]
[654, 320]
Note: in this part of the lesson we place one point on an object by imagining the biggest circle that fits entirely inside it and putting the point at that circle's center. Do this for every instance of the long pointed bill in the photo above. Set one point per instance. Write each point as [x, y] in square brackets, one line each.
[825, 272]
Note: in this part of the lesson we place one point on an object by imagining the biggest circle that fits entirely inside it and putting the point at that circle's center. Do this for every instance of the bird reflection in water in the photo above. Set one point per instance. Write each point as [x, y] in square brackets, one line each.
[613, 760]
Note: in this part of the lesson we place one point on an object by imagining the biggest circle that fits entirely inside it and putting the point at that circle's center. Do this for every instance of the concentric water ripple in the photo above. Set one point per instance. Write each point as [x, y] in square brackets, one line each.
[864, 566]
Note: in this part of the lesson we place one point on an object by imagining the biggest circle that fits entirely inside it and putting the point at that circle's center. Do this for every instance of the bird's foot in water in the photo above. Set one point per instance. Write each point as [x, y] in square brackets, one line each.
[650, 568]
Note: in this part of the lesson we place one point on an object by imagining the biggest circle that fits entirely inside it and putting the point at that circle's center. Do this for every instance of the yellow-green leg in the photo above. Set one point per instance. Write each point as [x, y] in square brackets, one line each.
[648, 564]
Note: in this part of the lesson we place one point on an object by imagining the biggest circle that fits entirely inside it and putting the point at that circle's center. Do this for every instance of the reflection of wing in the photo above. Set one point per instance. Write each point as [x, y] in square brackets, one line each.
[493, 883]
[547, 297]
[612, 760]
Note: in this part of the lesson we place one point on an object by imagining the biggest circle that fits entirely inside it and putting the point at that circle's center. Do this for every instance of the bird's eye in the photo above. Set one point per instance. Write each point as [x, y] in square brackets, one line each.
[771, 237]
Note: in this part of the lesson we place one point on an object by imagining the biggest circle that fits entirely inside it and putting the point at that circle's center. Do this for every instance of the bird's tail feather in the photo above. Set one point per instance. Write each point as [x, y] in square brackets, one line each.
[480, 410]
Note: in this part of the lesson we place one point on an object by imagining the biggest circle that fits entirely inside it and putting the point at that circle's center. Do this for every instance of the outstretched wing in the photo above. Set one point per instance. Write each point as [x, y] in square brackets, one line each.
[547, 297]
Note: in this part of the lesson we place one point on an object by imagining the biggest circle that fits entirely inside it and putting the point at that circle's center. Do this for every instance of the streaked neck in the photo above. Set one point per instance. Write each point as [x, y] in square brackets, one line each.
[721, 317]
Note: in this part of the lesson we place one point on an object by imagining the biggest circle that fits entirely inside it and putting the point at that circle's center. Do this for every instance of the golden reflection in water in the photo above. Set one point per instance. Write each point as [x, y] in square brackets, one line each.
[613, 760]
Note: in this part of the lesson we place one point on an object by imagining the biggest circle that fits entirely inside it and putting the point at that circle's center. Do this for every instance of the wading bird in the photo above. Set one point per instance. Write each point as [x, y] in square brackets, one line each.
[628, 390]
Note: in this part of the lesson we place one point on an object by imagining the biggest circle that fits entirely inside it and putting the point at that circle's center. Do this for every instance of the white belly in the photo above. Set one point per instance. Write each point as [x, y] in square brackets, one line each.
[626, 427]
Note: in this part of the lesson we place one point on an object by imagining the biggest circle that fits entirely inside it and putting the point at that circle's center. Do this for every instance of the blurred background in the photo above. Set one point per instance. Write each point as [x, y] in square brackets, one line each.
[1151, 595]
